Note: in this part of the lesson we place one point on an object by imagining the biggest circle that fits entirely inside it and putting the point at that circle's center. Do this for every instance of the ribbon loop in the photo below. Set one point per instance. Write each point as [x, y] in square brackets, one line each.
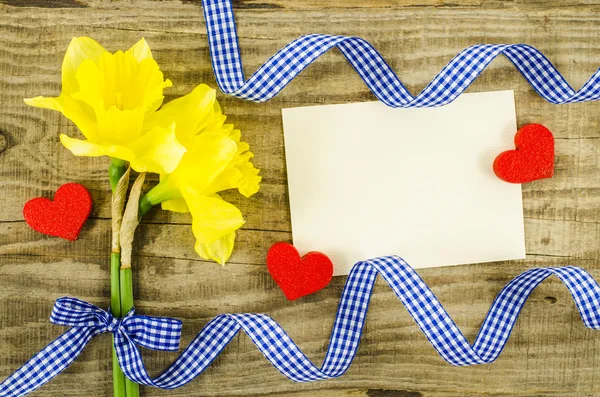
[156, 333]
[73, 312]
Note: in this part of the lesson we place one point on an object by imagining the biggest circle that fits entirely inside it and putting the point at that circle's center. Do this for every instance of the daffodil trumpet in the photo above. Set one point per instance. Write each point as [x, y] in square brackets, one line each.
[116, 101]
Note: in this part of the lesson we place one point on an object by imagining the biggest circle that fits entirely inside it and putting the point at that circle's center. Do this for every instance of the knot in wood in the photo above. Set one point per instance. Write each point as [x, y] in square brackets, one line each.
[3, 142]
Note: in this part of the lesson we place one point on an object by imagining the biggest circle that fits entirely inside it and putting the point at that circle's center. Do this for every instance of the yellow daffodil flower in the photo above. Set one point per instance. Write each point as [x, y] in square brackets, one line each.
[111, 98]
[215, 160]
[115, 100]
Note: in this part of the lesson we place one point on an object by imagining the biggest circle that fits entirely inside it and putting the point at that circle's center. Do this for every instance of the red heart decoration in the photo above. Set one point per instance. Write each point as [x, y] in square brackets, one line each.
[298, 276]
[532, 159]
[65, 216]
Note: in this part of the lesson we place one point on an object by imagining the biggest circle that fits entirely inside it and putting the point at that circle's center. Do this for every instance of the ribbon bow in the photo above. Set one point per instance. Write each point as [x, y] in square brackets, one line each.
[88, 321]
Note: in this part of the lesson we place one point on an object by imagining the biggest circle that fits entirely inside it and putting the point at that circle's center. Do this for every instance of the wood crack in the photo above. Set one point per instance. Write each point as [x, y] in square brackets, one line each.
[45, 3]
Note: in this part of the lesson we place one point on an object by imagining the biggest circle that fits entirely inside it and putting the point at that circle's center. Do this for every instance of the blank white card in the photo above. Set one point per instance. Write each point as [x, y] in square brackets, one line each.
[366, 180]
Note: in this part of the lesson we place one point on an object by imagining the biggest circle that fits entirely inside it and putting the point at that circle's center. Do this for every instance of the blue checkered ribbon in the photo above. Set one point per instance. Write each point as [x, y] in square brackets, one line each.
[278, 347]
[88, 321]
[288, 62]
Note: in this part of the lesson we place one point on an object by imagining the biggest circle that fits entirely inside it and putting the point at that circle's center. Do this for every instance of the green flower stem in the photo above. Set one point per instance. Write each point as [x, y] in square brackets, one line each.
[115, 307]
[126, 282]
[145, 206]
[115, 171]
[163, 191]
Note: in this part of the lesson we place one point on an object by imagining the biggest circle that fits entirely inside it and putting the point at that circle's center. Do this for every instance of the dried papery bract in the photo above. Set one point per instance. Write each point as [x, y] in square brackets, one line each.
[118, 204]
[130, 221]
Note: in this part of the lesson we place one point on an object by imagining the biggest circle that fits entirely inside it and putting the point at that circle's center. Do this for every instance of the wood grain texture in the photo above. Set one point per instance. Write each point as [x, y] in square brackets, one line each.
[550, 352]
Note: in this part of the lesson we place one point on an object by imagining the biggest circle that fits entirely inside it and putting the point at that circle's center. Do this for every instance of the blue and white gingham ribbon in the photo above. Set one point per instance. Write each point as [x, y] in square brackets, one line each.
[278, 347]
[454, 78]
[421, 303]
[88, 321]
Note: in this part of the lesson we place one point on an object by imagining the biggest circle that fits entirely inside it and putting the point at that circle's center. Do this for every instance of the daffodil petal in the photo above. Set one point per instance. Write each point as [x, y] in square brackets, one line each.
[212, 217]
[81, 148]
[157, 151]
[141, 50]
[86, 148]
[44, 103]
[208, 155]
[80, 49]
[218, 120]
[175, 205]
[77, 112]
[219, 251]
[190, 113]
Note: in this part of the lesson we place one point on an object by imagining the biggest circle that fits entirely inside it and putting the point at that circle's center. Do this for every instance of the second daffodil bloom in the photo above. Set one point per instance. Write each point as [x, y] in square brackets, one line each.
[215, 160]
[110, 98]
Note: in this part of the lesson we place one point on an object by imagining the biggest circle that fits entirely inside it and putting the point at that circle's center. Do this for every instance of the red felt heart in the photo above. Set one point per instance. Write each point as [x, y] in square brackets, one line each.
[298, 276]
[532, 159]
[65, 216]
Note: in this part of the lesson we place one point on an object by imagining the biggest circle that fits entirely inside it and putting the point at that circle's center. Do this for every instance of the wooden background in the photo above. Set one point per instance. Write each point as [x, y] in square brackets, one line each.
[550, 352]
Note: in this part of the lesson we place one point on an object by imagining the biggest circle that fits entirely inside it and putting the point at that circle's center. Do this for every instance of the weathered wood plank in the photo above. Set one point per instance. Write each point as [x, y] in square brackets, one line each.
[550, 353]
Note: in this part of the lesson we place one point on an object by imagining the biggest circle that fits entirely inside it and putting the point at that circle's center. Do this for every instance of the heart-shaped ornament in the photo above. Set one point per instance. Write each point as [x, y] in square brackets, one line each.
[65, 216]
[532, 159]
[298, 276]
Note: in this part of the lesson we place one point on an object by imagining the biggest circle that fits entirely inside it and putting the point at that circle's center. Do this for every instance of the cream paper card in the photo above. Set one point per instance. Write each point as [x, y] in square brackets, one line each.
[366, 180]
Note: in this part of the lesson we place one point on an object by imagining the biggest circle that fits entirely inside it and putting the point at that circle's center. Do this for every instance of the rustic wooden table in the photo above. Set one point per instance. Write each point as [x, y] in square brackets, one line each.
[550, 352]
